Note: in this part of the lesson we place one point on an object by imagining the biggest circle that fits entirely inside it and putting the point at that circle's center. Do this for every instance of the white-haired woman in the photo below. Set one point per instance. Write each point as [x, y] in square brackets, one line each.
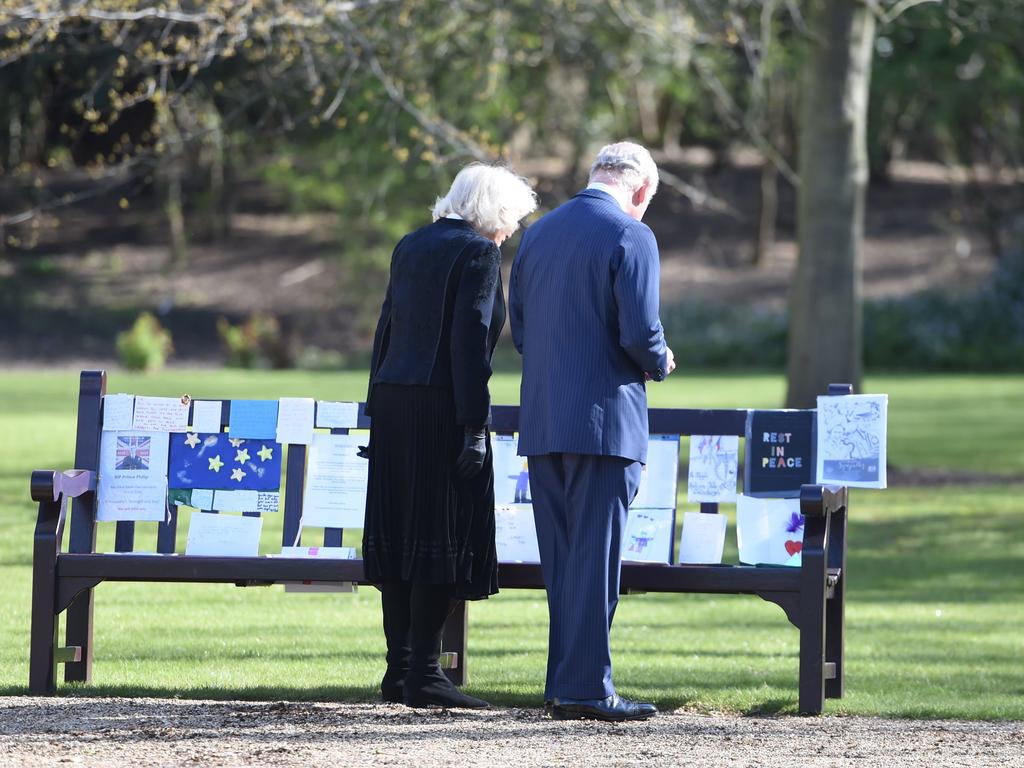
[428, 539]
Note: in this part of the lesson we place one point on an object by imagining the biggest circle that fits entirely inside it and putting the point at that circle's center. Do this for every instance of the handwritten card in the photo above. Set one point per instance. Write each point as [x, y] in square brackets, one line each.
[215, 535]
[712, 473]
[121, 499]
[703, 538]
[516, 534]
[160, 414]
[255, 419]
[337, 415]
[648, 536]
[201, 498]
[852, 440]
[511, 471]
[206, 415]
[118, 412]
[336, 479]
[246, 501]
[295, 420]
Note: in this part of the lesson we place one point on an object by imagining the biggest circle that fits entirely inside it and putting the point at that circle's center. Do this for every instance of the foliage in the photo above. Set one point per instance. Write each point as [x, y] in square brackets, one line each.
[146, 346]
[256, 343]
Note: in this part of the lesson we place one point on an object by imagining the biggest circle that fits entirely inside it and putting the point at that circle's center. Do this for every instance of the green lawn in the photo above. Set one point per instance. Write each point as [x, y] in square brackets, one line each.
[935, 614]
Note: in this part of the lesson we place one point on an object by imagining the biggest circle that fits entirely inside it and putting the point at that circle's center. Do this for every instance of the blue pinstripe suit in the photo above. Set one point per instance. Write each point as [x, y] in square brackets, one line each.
[583, 304]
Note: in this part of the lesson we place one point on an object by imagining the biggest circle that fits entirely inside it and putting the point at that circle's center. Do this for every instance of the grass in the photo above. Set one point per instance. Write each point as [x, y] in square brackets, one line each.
[935, 612]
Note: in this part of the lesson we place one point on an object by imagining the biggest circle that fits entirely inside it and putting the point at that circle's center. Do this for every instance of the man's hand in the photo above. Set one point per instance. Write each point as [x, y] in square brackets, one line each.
[671, 360]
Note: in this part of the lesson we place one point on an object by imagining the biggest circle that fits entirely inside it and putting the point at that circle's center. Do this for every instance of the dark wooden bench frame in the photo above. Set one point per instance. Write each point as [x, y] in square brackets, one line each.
[812, 596]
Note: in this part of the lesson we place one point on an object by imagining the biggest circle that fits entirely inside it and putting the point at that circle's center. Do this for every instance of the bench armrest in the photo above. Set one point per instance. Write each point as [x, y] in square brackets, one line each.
[50, 485]
[822, 500]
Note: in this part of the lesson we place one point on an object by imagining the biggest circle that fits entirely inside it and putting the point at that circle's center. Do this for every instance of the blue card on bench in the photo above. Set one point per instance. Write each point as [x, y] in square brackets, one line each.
[222, 462]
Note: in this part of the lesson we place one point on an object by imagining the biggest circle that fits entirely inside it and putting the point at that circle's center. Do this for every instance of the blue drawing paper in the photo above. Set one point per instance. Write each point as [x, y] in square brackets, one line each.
[222, 462]
[256, 419]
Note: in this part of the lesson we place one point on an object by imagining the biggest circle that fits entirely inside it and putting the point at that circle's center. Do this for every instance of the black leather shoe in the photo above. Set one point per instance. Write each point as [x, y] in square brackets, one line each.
[613, 709]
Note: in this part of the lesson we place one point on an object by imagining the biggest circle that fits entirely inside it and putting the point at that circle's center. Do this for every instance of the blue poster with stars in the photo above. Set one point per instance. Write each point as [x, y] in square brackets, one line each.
[222, 462]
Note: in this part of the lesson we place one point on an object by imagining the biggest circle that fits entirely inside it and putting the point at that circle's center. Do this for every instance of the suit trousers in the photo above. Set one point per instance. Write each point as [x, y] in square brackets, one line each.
[580, 504]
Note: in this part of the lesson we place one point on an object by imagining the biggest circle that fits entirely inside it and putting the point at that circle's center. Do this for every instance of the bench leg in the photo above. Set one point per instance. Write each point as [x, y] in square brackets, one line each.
[812, 618]
[835, 609]
[456, 631]
[79, 633]
[42, 665]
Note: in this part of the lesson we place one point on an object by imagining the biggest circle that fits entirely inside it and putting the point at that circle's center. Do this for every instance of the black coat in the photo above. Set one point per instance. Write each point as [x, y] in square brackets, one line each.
[442, 315]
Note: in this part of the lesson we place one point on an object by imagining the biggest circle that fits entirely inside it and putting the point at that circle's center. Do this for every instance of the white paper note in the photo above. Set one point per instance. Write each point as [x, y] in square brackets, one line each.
[852, 440]
[703, 538]
[223, 535]
[332, 414]
[118, 411]
[712, 473]
[769, 531]
[206, 416]
[164, 414]
[134, 455]
[336, 478]
[118, 498]
[202, 498]
[516, 534]
[648, 536]
[295, 420]
[660, 475]
[246, 501]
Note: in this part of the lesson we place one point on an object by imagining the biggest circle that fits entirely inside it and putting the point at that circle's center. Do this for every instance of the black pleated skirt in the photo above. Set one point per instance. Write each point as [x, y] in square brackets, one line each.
[422, 522]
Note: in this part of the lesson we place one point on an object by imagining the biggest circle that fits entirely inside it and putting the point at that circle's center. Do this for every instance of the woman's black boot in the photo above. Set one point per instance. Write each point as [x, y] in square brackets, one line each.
[394, 601]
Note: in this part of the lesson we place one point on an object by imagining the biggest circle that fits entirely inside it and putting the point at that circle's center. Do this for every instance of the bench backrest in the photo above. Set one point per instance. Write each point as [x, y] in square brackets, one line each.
[504, 420]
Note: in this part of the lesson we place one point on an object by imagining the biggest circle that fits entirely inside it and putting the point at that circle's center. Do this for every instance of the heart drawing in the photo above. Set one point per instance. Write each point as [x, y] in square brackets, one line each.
[792, 547]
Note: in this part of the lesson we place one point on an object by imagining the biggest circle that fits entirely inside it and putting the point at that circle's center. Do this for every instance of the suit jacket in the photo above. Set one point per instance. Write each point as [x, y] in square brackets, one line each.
[442, 315]
[583, 301]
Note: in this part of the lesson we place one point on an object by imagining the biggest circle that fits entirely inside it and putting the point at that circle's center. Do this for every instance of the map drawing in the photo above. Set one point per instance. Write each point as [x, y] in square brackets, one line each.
[852, 440]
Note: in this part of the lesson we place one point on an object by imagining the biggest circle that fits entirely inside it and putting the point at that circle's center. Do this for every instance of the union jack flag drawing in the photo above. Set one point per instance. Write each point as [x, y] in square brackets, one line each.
[132, 452]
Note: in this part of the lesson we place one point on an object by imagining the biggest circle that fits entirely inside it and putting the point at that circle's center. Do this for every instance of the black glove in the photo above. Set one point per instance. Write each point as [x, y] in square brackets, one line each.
[364, 450]
[474, 450]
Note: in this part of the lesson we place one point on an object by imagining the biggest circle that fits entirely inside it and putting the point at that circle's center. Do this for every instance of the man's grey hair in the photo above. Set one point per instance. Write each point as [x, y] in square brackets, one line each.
[629, 164]
[490, 197]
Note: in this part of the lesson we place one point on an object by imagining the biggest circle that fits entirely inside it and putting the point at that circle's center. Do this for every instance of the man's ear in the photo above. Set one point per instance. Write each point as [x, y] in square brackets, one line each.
[640, 195]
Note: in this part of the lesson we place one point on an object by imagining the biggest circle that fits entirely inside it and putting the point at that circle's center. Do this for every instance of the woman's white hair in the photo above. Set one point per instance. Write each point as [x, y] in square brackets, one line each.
[490, 197]
[629, 164]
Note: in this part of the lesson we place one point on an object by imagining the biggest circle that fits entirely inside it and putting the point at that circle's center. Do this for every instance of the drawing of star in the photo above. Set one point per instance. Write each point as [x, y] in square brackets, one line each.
[237, 474]
[265, 453]
[242, 455]
[216, 463]
[235, 441]
[192, 440]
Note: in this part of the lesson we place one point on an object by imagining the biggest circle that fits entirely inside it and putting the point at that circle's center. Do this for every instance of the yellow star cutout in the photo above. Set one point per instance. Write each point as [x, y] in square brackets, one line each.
[237, 474]
[192, 440]
[242, 455]
[235, 441]
[216, 463]
[265, 453]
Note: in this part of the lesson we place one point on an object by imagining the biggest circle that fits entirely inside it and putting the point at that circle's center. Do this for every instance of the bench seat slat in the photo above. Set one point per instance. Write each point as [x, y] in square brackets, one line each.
[635, 576]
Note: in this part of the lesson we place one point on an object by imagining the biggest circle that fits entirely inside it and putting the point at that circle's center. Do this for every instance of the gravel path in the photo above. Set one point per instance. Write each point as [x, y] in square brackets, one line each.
[151, 732]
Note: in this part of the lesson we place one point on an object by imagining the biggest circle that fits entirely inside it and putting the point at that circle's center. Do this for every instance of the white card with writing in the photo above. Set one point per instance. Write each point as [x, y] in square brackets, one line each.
[515, 534]
[295, 420]
[320, 553]
[206, 416]
[246, 501]
[703, 538]
[216, 535]
[713, 463]
[769, 531]
[118, 412]
[332, 414]
[134, 455]
[336, 479]
[118, 498]
[163, 414]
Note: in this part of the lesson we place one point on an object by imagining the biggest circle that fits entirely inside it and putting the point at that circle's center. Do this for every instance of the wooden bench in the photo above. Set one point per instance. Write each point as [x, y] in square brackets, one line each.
[812, 595]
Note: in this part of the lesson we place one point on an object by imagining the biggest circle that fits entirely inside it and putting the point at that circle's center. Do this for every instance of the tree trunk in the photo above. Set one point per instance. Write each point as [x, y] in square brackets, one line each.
[825, 339]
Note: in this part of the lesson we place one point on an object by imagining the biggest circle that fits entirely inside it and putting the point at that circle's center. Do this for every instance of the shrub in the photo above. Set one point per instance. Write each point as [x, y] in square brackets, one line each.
[146, 346]
[255, 343]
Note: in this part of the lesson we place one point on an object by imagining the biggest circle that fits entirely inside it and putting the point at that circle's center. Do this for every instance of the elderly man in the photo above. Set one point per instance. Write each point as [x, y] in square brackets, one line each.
[583, 302]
